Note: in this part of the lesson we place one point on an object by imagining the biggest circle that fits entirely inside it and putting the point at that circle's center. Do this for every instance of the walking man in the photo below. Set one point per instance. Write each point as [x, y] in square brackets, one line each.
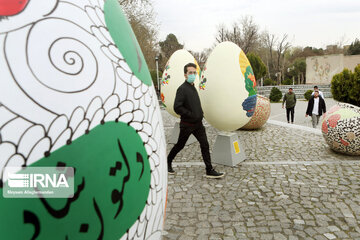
[290, 102]
[320, 92]
[187, 105]
[316, 107]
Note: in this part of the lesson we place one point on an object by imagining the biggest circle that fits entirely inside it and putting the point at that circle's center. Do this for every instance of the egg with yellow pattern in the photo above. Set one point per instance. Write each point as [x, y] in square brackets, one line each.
[227, 88]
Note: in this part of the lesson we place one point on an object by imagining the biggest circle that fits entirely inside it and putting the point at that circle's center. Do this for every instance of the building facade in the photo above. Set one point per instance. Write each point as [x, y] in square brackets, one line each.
[321, 69]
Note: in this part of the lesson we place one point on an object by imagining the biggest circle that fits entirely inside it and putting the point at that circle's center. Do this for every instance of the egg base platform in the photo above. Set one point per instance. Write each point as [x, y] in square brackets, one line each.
[227, 150]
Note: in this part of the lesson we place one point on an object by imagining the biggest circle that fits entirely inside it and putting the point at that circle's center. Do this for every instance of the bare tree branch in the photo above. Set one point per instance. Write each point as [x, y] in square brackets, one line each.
[243, 33]
[221, 32]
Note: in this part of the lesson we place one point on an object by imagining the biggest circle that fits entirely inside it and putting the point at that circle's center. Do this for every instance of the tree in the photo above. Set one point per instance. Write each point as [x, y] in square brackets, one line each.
[297, 70]
[250, 33]
[276, 48]
[282, 47]
[269, 42]
[257, 65]
[243, 33]
[168, 47]
[345, 86]
[354, 48]
[221, 33]
[154, 77]
[355, 90]
[269, 82]
[201, 57]
[275, 94]
[307, 94]
[141, 17]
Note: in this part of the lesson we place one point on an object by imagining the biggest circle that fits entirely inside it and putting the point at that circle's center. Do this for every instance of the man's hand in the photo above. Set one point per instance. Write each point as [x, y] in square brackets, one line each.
[282, 106]
[306, 115]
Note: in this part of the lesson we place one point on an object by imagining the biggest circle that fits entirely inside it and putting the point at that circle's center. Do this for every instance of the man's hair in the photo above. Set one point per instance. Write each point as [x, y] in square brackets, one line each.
[316, 87]
[290, 88]
[189, 65]
[316, 91]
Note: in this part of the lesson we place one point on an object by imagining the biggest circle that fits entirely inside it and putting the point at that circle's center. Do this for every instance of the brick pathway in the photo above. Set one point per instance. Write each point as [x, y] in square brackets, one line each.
[291, 186]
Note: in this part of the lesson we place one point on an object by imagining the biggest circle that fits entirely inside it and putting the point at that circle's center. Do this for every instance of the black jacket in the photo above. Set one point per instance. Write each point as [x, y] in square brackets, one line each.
[187, 104]
[322, 106]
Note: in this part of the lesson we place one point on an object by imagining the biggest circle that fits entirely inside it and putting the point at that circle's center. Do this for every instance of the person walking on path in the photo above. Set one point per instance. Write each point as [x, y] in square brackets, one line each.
[316, 107]
[187, 104]
[290, 102]
[320, 92]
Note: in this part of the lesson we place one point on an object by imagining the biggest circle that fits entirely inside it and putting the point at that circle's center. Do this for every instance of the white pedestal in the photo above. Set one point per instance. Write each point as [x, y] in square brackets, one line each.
[228, 150]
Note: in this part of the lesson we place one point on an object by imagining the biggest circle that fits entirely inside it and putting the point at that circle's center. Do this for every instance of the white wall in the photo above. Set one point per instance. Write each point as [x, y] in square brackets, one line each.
[321, 69]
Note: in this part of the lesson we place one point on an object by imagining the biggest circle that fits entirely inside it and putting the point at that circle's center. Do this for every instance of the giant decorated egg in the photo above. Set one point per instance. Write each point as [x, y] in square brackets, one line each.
[227, 88]
[261, 114]
[341, 128]
[173, 77]
[75, 91]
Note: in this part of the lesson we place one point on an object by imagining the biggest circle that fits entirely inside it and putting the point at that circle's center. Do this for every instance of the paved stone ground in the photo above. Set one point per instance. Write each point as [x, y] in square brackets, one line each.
[291, 186]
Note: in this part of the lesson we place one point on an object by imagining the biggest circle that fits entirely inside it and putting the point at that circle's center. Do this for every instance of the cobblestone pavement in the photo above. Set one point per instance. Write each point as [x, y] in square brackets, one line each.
[291, 186]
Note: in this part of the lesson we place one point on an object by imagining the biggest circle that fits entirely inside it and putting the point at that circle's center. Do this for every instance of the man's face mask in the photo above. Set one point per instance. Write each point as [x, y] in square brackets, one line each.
[191, 78]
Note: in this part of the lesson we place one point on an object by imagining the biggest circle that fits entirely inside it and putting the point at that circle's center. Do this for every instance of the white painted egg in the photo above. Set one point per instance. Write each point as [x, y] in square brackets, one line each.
[227, 88]
[75, 91]
[173, 77]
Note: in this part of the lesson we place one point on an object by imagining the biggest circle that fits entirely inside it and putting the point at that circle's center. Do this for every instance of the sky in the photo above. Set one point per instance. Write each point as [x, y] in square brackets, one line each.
[315, 23]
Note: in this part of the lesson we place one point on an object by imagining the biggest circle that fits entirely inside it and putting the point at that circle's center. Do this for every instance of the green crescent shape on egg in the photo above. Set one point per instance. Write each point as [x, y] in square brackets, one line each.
[124, 37]
[111, 184]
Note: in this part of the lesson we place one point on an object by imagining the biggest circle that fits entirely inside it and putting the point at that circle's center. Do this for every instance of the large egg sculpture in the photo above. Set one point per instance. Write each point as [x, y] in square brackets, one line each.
[75, 91]
[173, 77]
[227, 88]
[261, 114]
[341, 128]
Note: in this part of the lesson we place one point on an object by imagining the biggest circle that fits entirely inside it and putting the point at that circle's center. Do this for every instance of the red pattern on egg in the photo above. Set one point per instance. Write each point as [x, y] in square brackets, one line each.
[324, 127]
[334, 109]
[341, 129]
[333, 120]
[12, 7]
[345, 143]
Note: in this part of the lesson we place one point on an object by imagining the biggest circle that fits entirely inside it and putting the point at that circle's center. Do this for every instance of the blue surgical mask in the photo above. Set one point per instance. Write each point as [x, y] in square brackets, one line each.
[191, 78]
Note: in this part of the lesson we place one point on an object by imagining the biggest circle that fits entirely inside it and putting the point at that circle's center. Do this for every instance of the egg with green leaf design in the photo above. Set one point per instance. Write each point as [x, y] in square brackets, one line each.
[75, 91]
[227, 88]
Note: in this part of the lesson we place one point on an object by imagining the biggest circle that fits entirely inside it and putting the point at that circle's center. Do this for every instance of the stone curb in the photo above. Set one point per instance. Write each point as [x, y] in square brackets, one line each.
[293, 126]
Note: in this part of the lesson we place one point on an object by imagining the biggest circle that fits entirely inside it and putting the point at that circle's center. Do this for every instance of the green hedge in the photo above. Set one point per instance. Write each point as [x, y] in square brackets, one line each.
[275, 95]
[345, 86]
[287, 81]
[153, 76]
[307, 94]
[269, 82]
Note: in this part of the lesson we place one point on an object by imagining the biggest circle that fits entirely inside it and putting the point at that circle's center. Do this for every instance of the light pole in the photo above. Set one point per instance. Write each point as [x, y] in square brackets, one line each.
[157, 72]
